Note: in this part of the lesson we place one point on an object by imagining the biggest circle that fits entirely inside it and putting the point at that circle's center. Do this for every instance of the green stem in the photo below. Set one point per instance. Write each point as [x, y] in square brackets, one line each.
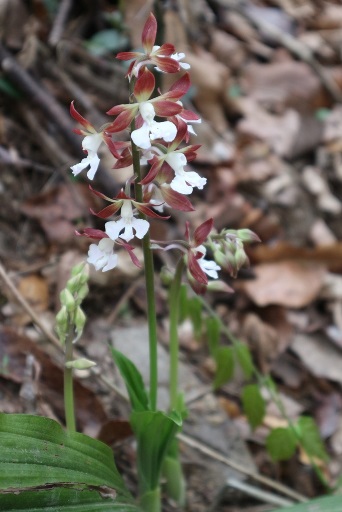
[68, 385]
[151, 501]
[174, 341]
[149, 279]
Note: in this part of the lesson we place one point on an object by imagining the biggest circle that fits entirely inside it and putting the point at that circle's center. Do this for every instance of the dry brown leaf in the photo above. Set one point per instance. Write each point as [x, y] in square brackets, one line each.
[35, 290]
[329, 255]
[292, 284]
[282, 85]
[319, 356]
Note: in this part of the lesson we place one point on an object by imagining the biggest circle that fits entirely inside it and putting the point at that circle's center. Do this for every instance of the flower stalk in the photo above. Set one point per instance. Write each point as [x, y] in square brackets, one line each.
[174, 340]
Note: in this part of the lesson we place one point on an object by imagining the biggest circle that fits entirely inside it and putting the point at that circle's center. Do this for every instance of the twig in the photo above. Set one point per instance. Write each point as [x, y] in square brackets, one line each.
[299, 49]
[26, 306]
[259, 494]
[59, 22]
[190, 441]
[6, 158]
[40, 96]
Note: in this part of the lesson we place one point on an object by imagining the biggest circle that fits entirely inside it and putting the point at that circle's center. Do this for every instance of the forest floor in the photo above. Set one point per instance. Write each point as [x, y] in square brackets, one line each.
[267, 82]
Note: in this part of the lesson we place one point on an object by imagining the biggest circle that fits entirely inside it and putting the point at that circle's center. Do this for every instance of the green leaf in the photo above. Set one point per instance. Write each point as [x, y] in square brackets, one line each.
[155, 431]
[224, 358]
[253, 404]
[213, 326]
[310, 438]
[281, 443]
[63, 500]
[43, 466]
[244, 358]
[326, 504]
[195, 313]
[105, 41]
[133, 380]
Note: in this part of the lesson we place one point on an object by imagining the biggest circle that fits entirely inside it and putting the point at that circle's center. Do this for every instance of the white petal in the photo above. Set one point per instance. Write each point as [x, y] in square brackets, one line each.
[147, 111]
[113, 228]
[195, 180]
[128, 232]
[111, 263]
[164, 130]
[94, 164]
[92, 142]
[141, 137]
[209, 267]
[77, 168]
[102, 255]
[141, 227]
[176, 161]
[179, 185]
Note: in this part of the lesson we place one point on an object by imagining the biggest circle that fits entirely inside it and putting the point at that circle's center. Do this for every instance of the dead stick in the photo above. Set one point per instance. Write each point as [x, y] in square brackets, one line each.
[213, 454]
[59, 22]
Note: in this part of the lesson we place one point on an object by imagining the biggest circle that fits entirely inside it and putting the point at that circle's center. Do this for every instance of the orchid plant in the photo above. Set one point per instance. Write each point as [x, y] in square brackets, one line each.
[159, 150]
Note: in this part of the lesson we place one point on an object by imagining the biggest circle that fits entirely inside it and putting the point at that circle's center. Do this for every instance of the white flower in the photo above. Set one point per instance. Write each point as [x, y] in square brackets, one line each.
[208, 266]
[175, 56]
[151, 130]
[102, 255]
[178, 57]
[183, 182]
[90, 144]
[127, 223]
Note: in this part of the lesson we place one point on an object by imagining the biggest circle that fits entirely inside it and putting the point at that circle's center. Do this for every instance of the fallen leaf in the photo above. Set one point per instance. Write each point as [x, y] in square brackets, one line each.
[319, 356]
[292, 284]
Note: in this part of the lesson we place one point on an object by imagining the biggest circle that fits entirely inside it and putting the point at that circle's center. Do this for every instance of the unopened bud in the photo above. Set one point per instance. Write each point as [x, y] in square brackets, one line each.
[226, 261]
[80, 364]
[79, 268]
[246, 235]
[62, 323]
[219, 286]
[67, 300]
[82, 293]
[80, 320]
[240, 258]
[166, 276]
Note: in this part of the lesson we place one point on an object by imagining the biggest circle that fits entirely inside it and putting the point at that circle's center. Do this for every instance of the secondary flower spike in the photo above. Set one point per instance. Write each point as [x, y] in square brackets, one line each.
[163, 57]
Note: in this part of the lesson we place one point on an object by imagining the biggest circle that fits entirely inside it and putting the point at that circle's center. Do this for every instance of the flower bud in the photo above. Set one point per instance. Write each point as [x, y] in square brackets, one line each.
[240, 258]
[166, 276]
[80, 364]
[219, 286]
[226, 261]
[82, 293]
[246, 235]
[67, 300]
[80, 320]
[79, 269]
[62, 323]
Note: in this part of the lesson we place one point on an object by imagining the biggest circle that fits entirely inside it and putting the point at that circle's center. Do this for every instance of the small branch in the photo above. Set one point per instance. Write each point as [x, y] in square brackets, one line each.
[59, 22]
[190, 441]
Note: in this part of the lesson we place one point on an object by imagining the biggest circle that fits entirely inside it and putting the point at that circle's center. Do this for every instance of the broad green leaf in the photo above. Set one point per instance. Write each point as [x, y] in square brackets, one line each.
[195, 313]
[244, 358]
[40, 459]
[310, 438]
[213, 333]
[326, 504]
[63, 500]
[109, 40]
[253, 404]
[155, 431]
[133, 380]
[224, 358]
[281, 443]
